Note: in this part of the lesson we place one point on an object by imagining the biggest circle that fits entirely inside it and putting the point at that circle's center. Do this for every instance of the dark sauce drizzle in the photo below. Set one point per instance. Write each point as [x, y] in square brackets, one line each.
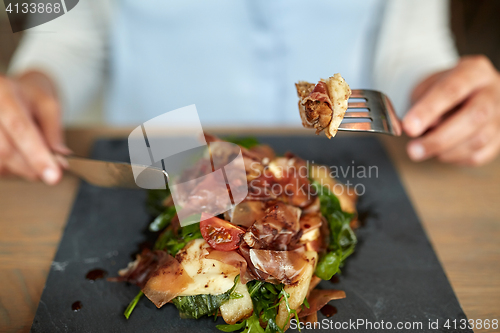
[76, 306]
[328, 310]
[96, 274]
[335, 279]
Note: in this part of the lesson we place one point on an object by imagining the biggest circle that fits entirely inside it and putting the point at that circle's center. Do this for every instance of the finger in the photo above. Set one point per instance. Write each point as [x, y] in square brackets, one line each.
[472, 144]
[6, 150]
[462, 124]
[18, 166]
[21, 130]
[48, 115]
[453, 88]
[62, 161]
[486, 154]
[12, 162]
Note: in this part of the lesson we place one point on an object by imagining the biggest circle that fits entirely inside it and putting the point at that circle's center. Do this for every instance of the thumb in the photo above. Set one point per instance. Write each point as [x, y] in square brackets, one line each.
[48, 115]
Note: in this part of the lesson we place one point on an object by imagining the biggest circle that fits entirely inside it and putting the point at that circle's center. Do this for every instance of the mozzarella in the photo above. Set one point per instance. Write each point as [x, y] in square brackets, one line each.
[239, 308]
[209, 276]
[310, 236]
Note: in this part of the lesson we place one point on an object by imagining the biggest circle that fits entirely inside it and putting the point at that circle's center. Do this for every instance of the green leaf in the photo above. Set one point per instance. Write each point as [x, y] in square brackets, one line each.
[164, 239]
[174, 243]
[342, 239]
[154, 201]
[255, 287]
[266, 298]
[291, 312]
[191, 232]
[163, 220]
[199, 305]
[245, 142]
[235, 295]
[328, 265]
[253, 325]
[306, 303]
[131, 306]
[271, 288]
[232, 328]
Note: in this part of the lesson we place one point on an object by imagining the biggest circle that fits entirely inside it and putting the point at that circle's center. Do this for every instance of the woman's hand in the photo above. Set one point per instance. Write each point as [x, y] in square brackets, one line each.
[456, 114]
[30, 128]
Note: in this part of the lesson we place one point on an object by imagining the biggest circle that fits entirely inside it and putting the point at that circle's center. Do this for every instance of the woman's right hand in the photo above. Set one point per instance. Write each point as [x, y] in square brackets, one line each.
[30, 128]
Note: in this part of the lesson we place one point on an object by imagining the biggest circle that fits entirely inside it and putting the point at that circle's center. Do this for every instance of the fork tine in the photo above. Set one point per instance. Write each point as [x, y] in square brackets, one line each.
[356, 105]
[357, 115]
[380, 116]
[357, 93]
[356, 126]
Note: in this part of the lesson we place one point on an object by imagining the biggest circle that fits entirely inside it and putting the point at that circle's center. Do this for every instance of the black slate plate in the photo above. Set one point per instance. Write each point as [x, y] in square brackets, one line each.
[394, 275]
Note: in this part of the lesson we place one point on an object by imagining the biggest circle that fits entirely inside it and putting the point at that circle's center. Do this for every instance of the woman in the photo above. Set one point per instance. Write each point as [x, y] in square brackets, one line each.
[237, 61]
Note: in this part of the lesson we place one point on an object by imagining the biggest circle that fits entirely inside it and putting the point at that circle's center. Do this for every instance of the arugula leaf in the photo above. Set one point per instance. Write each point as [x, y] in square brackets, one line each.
[231, 328]
[174, 243]
[253, 325]
[163, 220]
[266, 298]
[291, 312]
[199, 305]
[235, 295]
[246, 142]
[342, 238]
[306, 303]
[255, 285]
[131, 306]
[328, 265]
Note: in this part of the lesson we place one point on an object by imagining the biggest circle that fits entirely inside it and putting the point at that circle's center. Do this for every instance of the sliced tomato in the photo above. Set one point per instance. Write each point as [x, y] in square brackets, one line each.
[221, 234]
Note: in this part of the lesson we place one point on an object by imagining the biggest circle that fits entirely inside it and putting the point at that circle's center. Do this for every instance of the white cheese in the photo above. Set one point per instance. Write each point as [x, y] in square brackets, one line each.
[239, 308]
[310, 236]
[209, 276]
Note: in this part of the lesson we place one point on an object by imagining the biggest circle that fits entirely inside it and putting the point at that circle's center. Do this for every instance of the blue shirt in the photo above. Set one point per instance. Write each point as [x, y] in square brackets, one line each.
[236, 60]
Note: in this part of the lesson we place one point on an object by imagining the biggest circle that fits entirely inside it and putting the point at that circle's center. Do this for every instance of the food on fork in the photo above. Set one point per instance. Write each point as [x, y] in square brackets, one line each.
[258, 264]
[322, 106]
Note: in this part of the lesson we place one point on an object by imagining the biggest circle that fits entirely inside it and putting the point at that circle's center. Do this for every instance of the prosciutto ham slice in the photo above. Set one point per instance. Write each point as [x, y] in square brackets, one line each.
[318, 298]
[139, 271]
[234, 259]
[291, 173]
[284, 266]
[316, 107]
[167, 282]
[278, 229]
[322, 106]
[247, 212]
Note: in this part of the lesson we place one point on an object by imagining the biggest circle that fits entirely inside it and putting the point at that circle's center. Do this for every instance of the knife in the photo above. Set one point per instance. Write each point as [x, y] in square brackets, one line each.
[113, 174]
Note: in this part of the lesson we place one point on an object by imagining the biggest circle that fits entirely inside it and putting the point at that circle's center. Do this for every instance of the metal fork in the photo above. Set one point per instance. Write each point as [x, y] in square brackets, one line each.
[378, 114]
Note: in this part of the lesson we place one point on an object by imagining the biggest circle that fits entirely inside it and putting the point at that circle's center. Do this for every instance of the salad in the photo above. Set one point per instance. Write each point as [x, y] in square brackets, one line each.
[258, 264]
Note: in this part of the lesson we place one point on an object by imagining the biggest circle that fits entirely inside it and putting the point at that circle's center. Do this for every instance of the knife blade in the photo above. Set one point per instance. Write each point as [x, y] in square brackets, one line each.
[113, 174]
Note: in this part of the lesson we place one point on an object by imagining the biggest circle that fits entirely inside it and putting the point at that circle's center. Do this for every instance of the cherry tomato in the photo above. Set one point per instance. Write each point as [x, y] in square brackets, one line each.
[221, 234]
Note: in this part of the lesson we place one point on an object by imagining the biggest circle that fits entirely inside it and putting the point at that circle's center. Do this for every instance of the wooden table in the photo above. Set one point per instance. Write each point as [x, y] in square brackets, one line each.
[458, 206]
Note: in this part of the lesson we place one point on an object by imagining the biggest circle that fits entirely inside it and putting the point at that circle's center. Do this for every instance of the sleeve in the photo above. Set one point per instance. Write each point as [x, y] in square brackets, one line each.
[414, 41]
[71, 50]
